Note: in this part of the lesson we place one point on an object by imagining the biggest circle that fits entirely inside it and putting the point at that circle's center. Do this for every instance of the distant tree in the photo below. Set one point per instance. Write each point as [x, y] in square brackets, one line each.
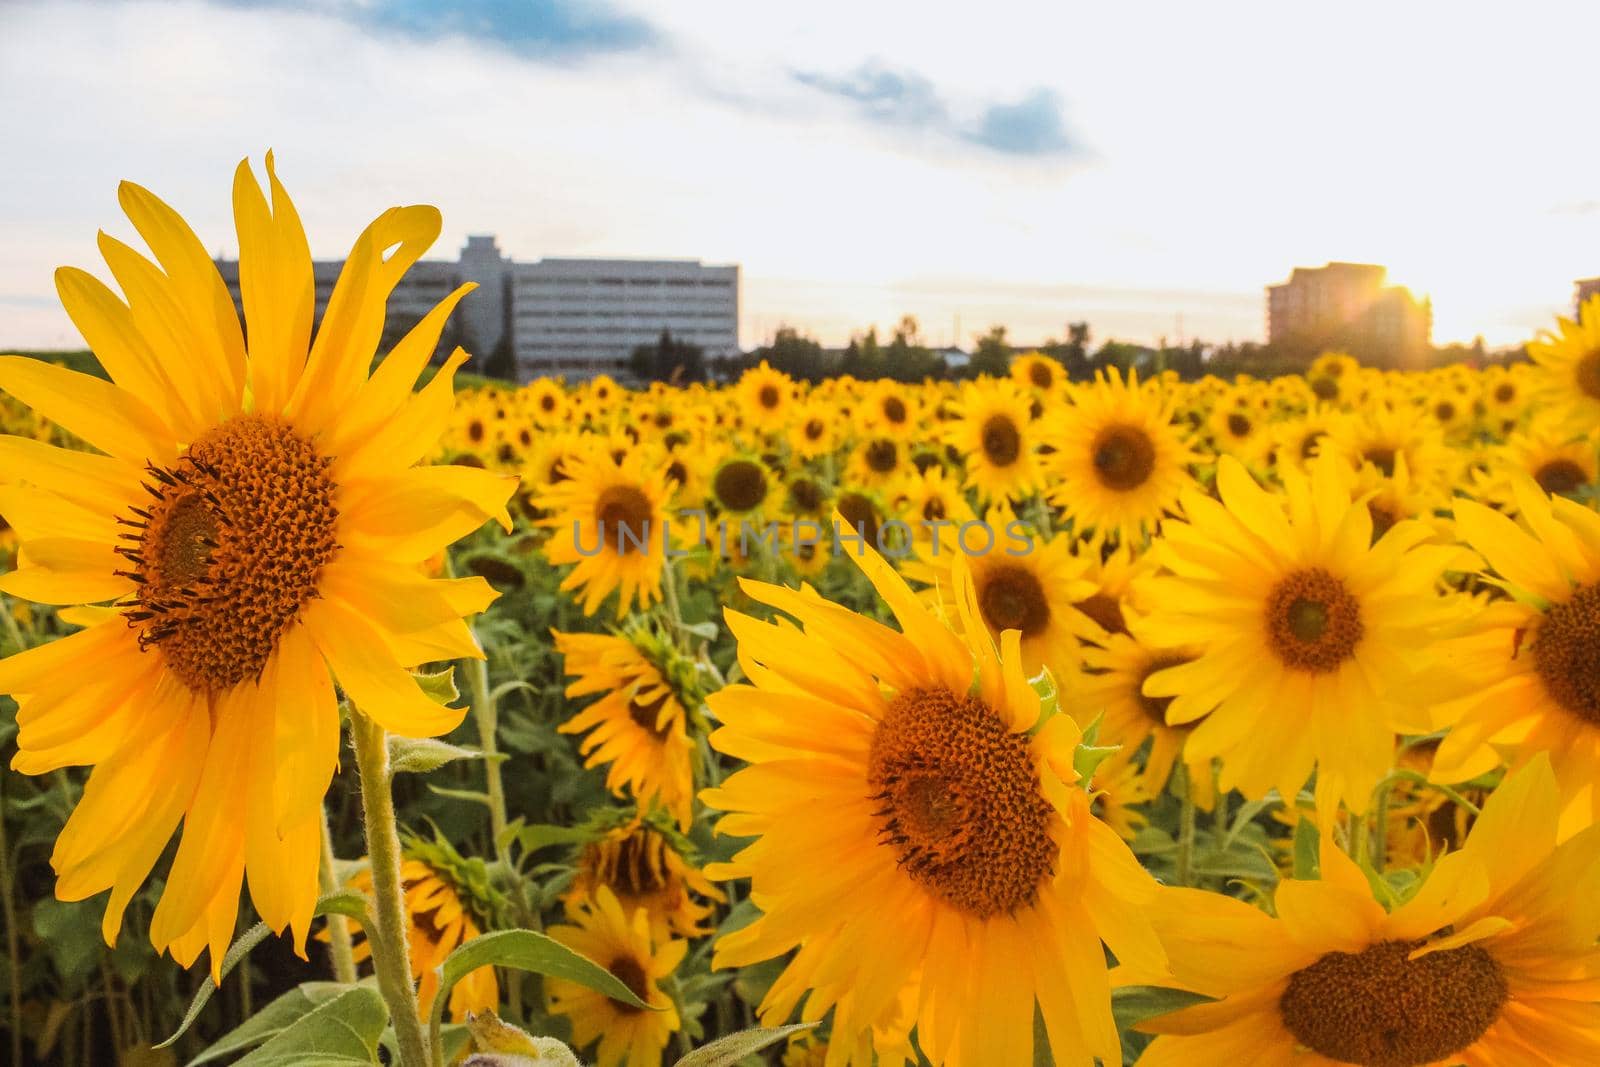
[668, 360]
[502, 362]
[992, 356]
[907, 359]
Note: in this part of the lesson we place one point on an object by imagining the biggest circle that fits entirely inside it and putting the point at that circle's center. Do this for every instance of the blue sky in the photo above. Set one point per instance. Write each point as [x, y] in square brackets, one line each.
[1145, 167]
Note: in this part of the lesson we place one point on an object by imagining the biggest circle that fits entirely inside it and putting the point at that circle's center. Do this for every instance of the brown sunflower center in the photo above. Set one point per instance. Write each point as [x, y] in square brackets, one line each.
[476, 431]
[740, 485]
[1011, 598]
[1124, 457]
[646, 714]
[1308, 443]
[1560, 476]
[230, 549]
[1105, 610]
[547, 402]
[1505, 392]
[1039, 374]
[806, 496]
[959, 802]
[1002, 444]
[860, 514]
[1588, 373]
[815, 428]
[630, 973]
[768, 396]
[1377, 1008]
[894, 409]
[1155, 708]
[1313, 621]
[1325, 388]
[1566, 653]
[1239, 425]
[933, 510]
[882, 455]
[1381, 457]
[634, 866]
[623, 514]
[1444, 411]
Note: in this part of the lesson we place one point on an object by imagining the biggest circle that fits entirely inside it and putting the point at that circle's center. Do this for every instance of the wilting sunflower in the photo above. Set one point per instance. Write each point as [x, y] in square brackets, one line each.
[1491, 963]
[995, 438]
[1528, 681]
[638, 727]
[921, 833]
[622, 944]
[608, 518]
[442, 913]
[1305, 626]
[255, 521]
[644, 865]
[1119, 462]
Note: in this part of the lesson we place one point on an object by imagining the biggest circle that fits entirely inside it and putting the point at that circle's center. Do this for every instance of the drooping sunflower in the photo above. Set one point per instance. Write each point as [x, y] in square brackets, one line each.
[644, 865]
[995, 439]
[253, 518]
[1306, 629]
[608, 517]
[1119, 463]
[440, 917]
[638, 727]
[1493, 961]
[1527, 676]
[622, 944]
[919, 832]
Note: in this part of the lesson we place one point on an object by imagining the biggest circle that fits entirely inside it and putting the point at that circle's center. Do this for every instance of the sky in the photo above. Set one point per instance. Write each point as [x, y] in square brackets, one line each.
[1147, 168]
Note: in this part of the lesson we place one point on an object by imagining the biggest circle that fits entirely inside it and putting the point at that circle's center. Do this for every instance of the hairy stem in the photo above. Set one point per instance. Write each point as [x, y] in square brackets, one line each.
[1186, 825]
[391, 949]
[339, 945]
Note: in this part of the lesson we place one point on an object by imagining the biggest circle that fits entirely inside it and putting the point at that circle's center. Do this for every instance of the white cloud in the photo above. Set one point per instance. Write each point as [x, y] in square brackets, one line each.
[1227, 144]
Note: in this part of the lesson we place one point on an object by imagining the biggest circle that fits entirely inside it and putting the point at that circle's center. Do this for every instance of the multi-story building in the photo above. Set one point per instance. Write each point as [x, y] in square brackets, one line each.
[1586, 287]
[582, 317]
[571, 317]
[1348, 306]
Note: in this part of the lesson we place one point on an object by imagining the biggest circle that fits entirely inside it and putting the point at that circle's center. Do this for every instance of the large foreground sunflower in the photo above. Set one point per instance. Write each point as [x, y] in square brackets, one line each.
[255, 522]
[1567, 374]
[920, 834]
[1305, 627]
[1491, 963]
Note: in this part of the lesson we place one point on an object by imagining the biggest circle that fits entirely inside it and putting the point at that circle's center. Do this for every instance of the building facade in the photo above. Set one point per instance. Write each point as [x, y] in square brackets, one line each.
[574, 318]
[1348, 306]
[582, 317]
[1586, 287]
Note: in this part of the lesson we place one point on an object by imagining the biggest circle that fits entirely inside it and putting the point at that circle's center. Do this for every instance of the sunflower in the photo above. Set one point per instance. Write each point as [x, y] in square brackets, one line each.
[994, 436]
[1330, 375]
[1492, 961]
[1022, 581]
[1296, 442]
[1037, 371]
[934, 506]
[1112, 689]
[1120, 786]
[1557, 460]
[919, 832]
[638, 727]
[878, 462]
[546, 403]
[814, 431]
[1237, 429]
[1526, 677]
[1566, 376]
[1382, 434]
[892, 410]
[439, 919]
[254, 519]
[743, 484]
[608, 518]
[622, 944]
[644, 865]
[766, 397]
[1305, 626]
[1119, 462]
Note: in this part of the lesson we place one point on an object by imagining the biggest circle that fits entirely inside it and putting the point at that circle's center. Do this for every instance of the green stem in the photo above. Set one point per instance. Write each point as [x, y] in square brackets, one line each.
[339, 943]
[487, 716]
[1186, 826]
[669, 582]
[1380, 828]
[1358, 838]
[391, 949]
[1219, 814]
[18, 642]
[13, 953]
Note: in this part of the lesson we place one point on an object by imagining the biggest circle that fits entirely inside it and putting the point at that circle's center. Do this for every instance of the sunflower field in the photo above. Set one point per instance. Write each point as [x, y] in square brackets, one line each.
[356, 715]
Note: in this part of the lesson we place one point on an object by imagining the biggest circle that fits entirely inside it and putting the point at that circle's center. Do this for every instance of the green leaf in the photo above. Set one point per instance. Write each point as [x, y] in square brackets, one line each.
[418, 755]
[729, 1050]
[271, 1020]
[70, 934]
[441, 685]
[351, 905]
[463, 794]
[707, 631]
[1307, 850]
[523, 950]
[341, 1031]
[1086, 759]
[1132, 1005]
[541, 835]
